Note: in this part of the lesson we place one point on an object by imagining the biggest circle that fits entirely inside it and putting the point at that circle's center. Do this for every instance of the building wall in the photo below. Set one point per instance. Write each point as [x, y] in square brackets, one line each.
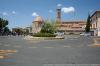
[95, 21]
[75, 27]
[36, 27]
[98, 26]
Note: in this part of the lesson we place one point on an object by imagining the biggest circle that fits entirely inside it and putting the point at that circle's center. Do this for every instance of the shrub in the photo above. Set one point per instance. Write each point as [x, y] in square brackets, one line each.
[44, 35]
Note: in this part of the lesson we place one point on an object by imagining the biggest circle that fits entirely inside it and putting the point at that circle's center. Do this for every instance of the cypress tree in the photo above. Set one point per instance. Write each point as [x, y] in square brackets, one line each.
[88, 24]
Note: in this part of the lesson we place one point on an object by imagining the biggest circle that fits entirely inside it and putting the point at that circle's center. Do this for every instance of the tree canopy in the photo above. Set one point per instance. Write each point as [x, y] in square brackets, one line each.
[87, 29]
[3, 25]
[48, 27]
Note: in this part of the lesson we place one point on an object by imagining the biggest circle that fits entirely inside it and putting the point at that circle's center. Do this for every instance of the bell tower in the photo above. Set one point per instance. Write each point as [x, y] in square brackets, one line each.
[58, 16]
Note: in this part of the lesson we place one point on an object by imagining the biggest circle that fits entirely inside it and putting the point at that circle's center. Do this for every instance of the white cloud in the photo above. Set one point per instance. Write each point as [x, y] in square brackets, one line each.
[4, 14]
[13, 12]
[59, 5]
[34, 14]
[68, 9]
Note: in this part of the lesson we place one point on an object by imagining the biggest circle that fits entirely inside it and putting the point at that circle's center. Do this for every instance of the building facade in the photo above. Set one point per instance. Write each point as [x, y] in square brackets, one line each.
[69, 27]
[72, 27]
[95, 23]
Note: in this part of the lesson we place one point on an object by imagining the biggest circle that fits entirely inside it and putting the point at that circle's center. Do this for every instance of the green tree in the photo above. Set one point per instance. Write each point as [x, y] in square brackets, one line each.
[3, 23]
[6, 29]
[88, 24]
[48, 27]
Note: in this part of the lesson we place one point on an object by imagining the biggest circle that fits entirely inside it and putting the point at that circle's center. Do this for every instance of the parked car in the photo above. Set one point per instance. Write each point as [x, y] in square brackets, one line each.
[85, 34]
[59, 33]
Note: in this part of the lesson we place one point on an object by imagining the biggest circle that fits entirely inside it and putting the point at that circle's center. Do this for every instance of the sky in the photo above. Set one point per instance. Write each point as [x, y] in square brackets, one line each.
[21, 13]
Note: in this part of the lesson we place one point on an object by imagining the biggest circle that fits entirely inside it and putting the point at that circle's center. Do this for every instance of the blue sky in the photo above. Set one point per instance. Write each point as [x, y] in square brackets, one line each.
[21, 13]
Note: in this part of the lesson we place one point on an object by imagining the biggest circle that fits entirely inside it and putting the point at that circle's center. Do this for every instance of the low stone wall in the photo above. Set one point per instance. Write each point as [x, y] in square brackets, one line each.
[42, 38]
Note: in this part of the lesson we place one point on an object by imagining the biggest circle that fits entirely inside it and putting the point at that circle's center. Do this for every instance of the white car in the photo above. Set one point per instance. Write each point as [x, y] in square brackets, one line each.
[85, 34]
[59, 33]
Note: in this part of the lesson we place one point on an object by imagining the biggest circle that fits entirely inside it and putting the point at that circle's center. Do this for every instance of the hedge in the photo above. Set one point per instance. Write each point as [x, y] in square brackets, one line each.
[44, 35]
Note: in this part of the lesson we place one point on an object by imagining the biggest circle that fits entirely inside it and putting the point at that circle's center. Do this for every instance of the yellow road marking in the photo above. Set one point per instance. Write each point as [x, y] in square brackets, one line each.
[94, 45]
[2, 57]
[8, 51]
[12, 51]
[4, 53]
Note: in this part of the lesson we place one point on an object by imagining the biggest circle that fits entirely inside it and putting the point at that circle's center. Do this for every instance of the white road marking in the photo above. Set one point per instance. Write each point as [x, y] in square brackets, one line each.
[80, 46]
[32, 47]
[6, 45]
[71, 39]
[17, 46]
[66, 46]
[48, 47]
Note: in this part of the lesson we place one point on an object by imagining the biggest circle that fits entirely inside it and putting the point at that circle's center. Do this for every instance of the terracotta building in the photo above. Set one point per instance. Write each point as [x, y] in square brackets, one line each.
[68, 27]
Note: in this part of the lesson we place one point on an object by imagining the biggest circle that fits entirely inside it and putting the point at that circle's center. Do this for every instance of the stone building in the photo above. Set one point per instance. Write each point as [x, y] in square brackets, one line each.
[28, 29]
[95, 23]
[37, 24]
[72, 27]
[69, 27]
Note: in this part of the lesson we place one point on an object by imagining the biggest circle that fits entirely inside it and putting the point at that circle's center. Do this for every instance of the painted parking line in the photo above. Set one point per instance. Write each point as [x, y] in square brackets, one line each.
[48, 47]
[32, 47]
[80, 46]
[66, 46]
[71, 39]
[17, 46]
[7, 45]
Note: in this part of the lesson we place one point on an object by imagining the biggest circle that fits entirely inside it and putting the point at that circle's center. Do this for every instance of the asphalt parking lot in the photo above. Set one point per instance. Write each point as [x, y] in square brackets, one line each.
[71, 50]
